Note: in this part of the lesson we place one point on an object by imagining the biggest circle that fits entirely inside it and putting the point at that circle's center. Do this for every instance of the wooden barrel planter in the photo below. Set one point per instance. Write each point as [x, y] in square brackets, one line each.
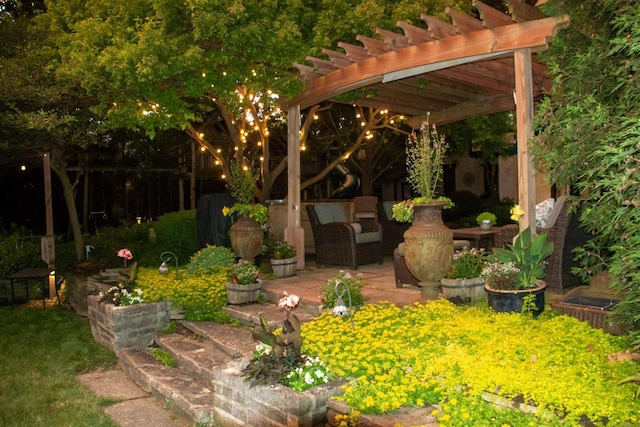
[284, 267]
[243, 294]
[466, 290]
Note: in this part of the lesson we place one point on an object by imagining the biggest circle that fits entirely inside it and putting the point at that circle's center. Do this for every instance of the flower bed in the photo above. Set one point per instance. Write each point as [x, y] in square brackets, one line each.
[427, 354]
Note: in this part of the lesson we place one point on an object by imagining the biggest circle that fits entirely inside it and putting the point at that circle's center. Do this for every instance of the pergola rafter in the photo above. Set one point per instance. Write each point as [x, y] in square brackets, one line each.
[452, 71]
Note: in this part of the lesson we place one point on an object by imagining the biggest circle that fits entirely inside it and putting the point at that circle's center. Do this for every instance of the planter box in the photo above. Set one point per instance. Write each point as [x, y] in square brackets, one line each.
[593, 310]
[122, 327]
[236, 403]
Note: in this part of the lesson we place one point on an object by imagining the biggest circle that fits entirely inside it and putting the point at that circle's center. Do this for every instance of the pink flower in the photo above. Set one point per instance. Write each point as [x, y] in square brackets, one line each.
[125, 253]
[288, 302]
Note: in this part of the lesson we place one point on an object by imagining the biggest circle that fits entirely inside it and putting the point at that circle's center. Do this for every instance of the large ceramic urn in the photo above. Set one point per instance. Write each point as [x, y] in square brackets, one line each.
[428, 247]
[246, 237]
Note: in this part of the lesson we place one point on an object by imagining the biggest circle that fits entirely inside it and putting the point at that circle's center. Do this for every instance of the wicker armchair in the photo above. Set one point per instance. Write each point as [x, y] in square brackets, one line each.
[339, 242]
[392, 230]
[564, 231]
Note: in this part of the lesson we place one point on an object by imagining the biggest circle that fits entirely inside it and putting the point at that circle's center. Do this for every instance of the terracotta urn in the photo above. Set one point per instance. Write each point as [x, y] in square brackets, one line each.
[246, 237]
[428, 247]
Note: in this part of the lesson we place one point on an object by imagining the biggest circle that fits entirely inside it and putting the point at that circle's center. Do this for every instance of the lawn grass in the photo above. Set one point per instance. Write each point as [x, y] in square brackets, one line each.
[41, 354]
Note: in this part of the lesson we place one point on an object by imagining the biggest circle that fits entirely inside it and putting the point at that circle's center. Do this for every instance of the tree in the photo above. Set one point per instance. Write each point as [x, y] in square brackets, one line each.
[588, 136]
[193, 65]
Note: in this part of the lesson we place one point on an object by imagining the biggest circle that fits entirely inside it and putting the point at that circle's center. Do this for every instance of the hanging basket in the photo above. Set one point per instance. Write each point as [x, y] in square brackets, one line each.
[243, 294]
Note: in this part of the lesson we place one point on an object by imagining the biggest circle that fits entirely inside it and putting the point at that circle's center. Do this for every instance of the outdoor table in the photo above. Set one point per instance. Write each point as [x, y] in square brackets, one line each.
[482, 238]
[30, 274]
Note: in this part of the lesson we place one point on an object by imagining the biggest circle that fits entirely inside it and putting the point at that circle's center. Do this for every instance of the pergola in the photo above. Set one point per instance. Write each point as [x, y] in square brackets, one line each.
[455, 71]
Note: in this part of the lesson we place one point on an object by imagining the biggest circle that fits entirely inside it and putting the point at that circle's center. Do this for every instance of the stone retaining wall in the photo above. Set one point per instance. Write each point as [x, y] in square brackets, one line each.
[132, 326]
[236, 403]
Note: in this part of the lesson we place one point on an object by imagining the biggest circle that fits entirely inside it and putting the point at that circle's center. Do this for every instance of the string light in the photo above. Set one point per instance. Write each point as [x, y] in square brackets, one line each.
[203, 149]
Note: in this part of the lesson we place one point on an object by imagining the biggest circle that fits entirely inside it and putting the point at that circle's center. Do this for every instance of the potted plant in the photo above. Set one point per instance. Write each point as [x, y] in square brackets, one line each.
[246, 232]
[243, 285]
[338, 283]
[486, 220]
[283, 258]
[513, 277]
[464, 281]
[428, 243]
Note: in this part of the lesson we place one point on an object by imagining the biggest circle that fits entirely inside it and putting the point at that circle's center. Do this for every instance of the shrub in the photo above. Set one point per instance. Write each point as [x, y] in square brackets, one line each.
[175, 232]
[19, 249]
[210, 259]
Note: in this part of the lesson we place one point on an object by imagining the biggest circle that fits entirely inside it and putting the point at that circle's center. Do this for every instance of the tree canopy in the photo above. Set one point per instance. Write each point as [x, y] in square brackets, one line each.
[588, 135]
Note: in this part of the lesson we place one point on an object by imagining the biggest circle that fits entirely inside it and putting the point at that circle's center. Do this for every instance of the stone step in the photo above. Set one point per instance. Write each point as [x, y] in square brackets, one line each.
[235, 341]
[177, 390]
[196, 356]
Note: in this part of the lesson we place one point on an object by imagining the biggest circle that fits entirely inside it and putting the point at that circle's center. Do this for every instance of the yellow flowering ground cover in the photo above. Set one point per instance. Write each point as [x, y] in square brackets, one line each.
[459, 356]
[201, 294]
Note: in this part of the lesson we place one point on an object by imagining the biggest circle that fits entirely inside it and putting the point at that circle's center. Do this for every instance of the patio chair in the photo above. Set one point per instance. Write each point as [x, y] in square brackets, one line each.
[392, 230]
[339, 242]
[365, 207]
[563, 229]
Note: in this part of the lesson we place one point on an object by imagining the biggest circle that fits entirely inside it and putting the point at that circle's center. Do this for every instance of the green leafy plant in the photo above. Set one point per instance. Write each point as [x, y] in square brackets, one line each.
[467, 263]
[244, 272]
[527, 255]
[163, 357]
[278, 351]
[210, 258]
[353, 282]
[278, 249]
[486, 216]
[403, 211]
[257, 212]
[241, 186]
[425, 157]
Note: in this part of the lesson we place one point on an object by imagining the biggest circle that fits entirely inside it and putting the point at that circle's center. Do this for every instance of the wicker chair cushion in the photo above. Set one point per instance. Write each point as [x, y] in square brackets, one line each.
[329, 212]
[543, 212]
[370, 237]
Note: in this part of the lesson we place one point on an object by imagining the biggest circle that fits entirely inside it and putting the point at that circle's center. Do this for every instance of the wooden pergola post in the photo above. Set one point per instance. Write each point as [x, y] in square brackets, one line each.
[294, 233]
[524, 122]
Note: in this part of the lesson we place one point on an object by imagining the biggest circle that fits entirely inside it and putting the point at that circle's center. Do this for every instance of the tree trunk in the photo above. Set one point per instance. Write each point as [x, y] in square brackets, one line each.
[67, 187]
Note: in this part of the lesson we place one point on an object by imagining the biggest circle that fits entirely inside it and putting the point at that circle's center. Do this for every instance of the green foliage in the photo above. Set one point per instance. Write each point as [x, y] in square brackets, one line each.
[19, 249]
[278, 249]
[337, 283]
[244, 272]
[456, 356]
[109, 240]
[210, 259]
[255, 211]
[486, 216]
[163, 357]
[241, 183]
[467, 263]
[176, 232]
[425, 157]
[202, 295]
[588, 133]
[528, 255]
